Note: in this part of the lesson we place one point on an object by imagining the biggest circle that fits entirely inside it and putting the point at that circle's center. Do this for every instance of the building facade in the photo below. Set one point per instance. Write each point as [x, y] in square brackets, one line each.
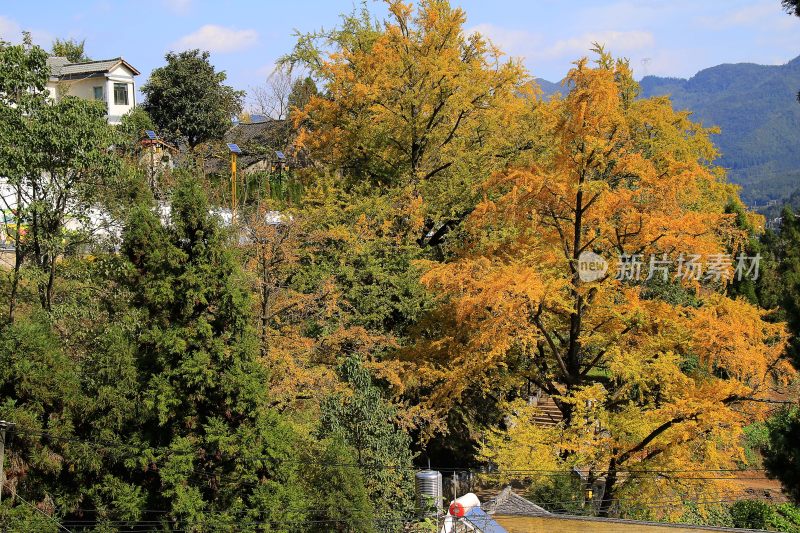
[110, 81]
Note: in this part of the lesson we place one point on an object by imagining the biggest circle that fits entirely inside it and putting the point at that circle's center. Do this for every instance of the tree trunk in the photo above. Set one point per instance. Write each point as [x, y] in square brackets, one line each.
[50, 281]
[12, 303]
[265, 296]
[608, 494]
[573, 353]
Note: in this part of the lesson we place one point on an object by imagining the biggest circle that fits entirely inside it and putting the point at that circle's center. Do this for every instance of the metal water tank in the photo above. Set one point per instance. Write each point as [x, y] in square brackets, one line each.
[429, 492]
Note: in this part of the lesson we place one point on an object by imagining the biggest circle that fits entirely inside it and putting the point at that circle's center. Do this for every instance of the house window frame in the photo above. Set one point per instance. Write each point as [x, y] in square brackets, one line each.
[102, 93]
[125, 97]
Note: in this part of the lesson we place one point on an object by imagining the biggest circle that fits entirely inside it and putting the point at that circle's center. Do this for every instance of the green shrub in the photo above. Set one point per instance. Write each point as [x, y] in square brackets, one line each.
[756, 439]
[561, 494]
[752, 514]
[706, 515]
[786, 518]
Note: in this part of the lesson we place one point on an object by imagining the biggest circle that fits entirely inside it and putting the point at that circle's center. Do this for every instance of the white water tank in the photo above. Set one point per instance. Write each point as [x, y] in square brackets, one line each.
[429, 492]
[461, 506]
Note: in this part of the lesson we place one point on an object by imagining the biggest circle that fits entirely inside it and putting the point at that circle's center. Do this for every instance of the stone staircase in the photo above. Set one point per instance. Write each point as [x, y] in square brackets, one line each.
[547, 413]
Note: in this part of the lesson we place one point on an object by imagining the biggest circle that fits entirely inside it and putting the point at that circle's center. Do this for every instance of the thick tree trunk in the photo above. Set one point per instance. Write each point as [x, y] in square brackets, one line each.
[608, 494]
[573, 351]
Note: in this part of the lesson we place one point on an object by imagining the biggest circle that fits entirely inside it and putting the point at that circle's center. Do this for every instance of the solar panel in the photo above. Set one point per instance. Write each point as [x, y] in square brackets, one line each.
[280, 155]
[151, 135]
[258, 119]
[234, 148]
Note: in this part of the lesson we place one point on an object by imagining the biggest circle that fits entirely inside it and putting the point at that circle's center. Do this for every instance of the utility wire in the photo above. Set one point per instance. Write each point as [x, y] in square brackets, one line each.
[56, 522]
[648, 502]
[386, 466]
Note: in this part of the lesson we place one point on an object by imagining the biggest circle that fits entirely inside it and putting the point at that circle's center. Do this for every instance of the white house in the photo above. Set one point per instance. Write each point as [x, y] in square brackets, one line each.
[109, 80]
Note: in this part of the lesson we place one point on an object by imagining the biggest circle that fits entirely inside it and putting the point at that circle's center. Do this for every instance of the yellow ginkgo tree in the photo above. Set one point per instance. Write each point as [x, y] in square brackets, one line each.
[415, 105]
[651, 375]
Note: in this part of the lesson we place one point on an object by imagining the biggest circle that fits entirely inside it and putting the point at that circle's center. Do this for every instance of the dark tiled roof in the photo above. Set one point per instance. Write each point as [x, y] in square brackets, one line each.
[60, 66]
[259, 141]
[56, 63]
[263, 133]
[509, 503]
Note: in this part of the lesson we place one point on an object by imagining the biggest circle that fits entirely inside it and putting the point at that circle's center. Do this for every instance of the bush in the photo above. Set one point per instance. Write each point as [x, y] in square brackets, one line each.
[752, 514]
[706, 515]
[340, 498]
[782, 457]
[561, 494]
[787, 518]
[756, 440]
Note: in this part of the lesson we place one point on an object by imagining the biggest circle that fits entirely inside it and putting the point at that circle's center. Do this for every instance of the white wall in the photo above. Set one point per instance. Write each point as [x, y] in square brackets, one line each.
[84, 88]
[120, 74]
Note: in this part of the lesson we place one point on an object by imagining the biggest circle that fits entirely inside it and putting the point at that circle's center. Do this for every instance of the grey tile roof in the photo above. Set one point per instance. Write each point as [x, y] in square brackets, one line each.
[259, 141]
[60, 66]
[510, 503]
[56, 63]
[263, 133]
[85, 68]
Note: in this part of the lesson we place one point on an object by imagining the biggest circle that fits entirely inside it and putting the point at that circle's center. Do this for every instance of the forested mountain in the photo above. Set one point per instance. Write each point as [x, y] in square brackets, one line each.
[549, 88]
[756, 108]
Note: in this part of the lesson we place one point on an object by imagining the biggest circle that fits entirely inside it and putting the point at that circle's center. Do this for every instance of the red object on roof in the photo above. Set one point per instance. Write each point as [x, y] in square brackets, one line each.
[457, 509]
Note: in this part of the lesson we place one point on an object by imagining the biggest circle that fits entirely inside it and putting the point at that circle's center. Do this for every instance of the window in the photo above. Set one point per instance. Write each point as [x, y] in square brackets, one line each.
[98, 93]
[120, 94]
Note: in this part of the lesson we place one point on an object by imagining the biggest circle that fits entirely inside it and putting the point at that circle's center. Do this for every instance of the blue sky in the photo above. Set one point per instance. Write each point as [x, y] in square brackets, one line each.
[661, 37]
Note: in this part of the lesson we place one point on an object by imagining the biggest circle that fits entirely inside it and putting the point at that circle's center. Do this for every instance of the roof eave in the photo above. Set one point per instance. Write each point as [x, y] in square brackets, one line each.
[128, 66]
[82, 75]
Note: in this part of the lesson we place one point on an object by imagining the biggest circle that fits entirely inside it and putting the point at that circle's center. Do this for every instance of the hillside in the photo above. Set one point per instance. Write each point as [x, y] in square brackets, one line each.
[756, 108]
[549, 88]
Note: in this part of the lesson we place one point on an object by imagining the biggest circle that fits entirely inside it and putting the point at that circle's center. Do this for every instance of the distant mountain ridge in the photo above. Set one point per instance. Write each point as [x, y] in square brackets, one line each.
[757, 110]
[550, 88]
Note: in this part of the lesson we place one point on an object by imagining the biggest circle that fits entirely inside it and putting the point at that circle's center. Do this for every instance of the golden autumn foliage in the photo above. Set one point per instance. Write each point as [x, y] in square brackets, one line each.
[417, 105]
[321, 276]
[273, 257]
[644, 381]
[447, 160]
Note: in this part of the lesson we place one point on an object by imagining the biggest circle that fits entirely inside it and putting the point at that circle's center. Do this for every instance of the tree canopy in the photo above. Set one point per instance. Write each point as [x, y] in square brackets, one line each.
[640, 379]
[418, 106]
[72, 49]
[188, 99]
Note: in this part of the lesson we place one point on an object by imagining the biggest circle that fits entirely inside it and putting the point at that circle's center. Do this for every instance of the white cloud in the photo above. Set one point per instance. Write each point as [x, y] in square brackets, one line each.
[745, 16]
[218, 39]
[180, 7]
[9, 29]
[616, 42]
[531, 46]
[764, 15]
[511, 41]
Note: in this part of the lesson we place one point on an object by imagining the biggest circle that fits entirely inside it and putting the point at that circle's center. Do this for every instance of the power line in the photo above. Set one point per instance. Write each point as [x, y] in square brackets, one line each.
[56, 522]
[725, 474]
[385, 466]
[658, 501]
[647, 503]
[210, 516]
